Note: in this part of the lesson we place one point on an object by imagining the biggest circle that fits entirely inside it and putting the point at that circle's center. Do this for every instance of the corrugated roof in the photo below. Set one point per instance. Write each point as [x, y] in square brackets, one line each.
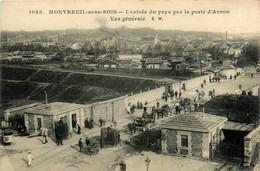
[53, 108]
[198, 122]
[237, 126]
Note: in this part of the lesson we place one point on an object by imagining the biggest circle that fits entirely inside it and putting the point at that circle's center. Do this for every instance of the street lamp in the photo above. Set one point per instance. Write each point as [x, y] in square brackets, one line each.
[147, 162]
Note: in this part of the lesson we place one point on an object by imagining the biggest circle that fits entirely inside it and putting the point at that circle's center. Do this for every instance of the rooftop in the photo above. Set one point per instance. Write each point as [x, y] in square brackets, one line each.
[53, 108]
[198, 122]
[153, 60]
[237, 126]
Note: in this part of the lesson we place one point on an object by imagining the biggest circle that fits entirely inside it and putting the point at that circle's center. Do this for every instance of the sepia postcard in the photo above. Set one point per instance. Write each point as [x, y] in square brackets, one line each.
[134, 85]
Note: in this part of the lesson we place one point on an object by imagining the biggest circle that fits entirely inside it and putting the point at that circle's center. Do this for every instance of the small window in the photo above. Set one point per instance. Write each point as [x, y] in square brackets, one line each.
[106, 66]
[184, 140]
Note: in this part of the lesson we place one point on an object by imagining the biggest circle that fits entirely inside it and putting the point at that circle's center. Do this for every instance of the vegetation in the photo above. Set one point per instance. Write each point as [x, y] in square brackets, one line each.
[238, 108]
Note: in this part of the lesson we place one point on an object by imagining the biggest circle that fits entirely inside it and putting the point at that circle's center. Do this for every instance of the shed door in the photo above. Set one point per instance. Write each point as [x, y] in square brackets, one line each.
[39, 122]
[74, 121]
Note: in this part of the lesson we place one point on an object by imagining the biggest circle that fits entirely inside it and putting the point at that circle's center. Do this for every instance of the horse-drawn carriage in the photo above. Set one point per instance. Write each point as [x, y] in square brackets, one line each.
[149, 112]
[92, 148]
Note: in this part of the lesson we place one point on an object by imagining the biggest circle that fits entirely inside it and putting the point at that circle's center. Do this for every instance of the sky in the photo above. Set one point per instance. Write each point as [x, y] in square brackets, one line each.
[240, 17]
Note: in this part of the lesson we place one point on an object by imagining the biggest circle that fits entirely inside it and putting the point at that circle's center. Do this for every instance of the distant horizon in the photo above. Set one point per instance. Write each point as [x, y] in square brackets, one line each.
[119, 27]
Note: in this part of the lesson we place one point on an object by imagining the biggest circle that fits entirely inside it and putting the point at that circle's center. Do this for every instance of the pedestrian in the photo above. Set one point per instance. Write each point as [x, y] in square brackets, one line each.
[79, 129]
[158, 104]
[80, 145]
[177, 109]
[210, 94]
[30, 157]
[115, 124]
[180, 94]
[87, 123]
[252, 75]
[204, 81]
[239, 86]
[235, 77]
[101, 121]
[45, 137]
[166, 98]
[176, 94]
[104, 122]
[87, 141]
[201, 85]
[172, 94]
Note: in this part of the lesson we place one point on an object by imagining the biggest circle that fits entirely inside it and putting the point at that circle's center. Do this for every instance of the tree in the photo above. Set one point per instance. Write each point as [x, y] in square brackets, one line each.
[252, 54]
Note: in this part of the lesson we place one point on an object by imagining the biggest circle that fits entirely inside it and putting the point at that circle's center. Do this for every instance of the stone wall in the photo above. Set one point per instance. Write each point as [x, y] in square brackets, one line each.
[196, 144]
[250, 144]
[196, 82]
[171, 138]
[106, 109]
[148, 96]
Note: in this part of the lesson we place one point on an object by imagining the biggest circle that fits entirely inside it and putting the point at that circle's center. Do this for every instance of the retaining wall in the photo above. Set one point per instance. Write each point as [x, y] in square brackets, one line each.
[250, 144]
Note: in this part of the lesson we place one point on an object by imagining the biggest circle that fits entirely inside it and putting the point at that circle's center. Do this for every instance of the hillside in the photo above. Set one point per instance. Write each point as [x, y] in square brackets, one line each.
[22, 83]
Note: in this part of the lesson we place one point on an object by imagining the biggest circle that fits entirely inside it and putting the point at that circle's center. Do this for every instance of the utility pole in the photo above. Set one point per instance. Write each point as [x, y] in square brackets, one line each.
[46, 97]
[112, 111]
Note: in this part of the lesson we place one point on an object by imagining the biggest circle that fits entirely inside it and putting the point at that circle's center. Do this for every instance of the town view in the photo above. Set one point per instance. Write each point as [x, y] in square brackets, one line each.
[129, 99]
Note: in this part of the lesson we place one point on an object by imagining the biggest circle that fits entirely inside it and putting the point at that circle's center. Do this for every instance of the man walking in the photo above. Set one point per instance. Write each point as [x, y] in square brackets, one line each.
[30, 157]
[80, 145]
[45, 137]
[100, 121]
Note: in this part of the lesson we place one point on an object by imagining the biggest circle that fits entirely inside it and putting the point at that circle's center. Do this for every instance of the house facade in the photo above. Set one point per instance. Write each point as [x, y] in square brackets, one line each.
[46, 115]
[192, 134]
[108, 64]
[154, 63]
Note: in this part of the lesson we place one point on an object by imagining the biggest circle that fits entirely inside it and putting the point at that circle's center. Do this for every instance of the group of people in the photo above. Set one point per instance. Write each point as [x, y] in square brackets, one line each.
[80, 143]
[89, 123]
[102, 122]
[214, 79]
[212, 93]
[171, 94]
